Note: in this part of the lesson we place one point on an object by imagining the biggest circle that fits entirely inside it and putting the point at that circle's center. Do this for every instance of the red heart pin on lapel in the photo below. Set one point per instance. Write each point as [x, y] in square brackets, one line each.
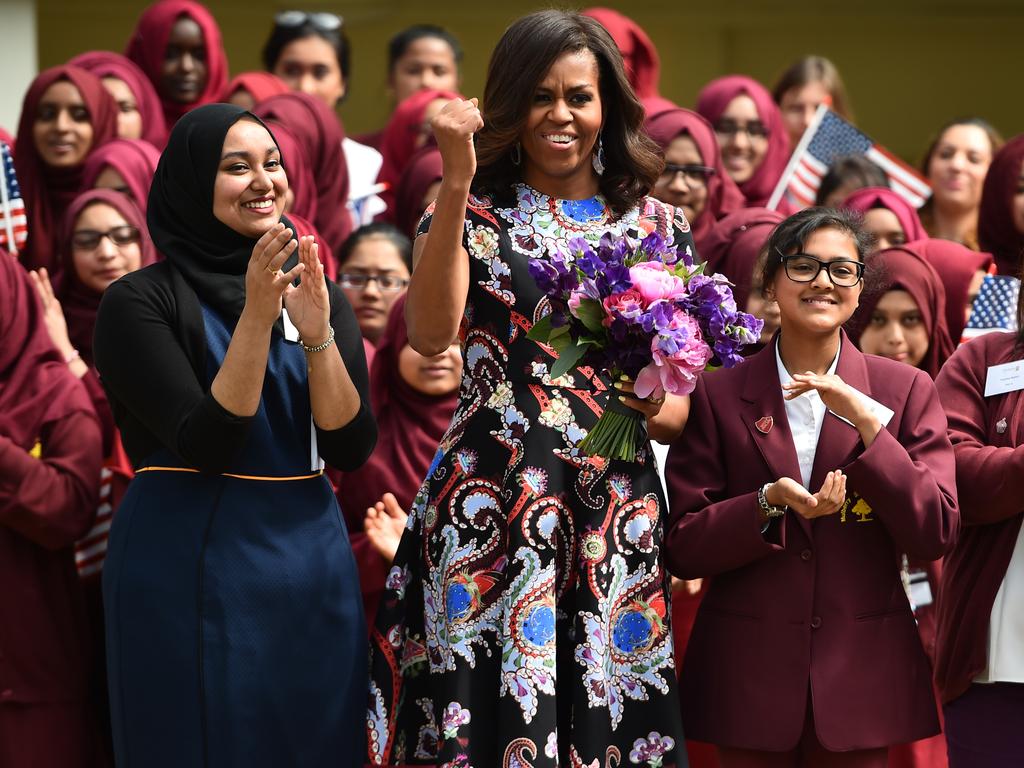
[764, 424]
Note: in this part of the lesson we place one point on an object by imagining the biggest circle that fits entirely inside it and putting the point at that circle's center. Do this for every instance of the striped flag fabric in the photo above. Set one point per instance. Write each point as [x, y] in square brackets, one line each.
[13, 222]
[828, 137]
[994, 308]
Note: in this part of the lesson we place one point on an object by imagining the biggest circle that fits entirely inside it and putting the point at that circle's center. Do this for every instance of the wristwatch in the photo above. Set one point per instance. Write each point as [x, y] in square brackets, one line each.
[769, 510]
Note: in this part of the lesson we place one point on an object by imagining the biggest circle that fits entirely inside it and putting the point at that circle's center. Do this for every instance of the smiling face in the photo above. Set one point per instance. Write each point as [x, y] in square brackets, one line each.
[562, 127]
[958, 166]
[896, 329]
[742, 137]
[883, 224]
[435, 376]
[817, 308]
[184, 73]
[97, 267]
[428, 63]
[62, 132]
[129, 119]
[686, 191]
[250, 188]
[310, 65]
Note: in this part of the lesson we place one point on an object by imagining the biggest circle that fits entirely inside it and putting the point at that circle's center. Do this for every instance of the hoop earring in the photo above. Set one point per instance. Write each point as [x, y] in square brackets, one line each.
[517, 155]
[598, 158]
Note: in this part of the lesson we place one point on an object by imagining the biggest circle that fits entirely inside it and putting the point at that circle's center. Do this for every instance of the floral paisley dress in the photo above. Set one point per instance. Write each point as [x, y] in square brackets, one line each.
[526, 619]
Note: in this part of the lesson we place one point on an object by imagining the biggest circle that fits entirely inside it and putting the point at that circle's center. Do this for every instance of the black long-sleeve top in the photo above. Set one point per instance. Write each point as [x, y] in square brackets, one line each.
[150, 349]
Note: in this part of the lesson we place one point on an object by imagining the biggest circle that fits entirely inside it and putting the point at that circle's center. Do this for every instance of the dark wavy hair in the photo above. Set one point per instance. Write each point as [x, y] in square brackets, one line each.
[520, 61]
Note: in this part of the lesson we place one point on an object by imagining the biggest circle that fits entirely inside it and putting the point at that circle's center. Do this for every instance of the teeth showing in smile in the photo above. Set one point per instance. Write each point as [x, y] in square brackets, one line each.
[819, 300]
[259, 205]
[560, 138]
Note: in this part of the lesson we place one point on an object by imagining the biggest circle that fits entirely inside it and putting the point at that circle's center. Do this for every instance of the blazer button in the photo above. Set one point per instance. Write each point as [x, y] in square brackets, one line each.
[815, 622]
[805, 555]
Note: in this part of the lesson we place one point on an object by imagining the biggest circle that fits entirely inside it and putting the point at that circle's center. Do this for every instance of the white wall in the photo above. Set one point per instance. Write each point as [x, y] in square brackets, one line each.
[18, 57]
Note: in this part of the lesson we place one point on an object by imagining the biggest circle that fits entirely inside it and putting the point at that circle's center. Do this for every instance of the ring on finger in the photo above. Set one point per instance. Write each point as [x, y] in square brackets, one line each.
[655, 400]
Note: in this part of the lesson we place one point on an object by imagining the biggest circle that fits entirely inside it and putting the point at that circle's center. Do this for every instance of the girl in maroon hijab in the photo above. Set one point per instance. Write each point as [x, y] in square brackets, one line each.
[250, 88]
[407, 131]
[414, 398]
[891, 219]
[50, 453]
[961, 271]
[417, 189]
[177, 44]
[125, 165]
[643, 65]
[140, 113]
[67, 113]
[1001, 220]
[319, 134]
[694, 178]
[750, 133]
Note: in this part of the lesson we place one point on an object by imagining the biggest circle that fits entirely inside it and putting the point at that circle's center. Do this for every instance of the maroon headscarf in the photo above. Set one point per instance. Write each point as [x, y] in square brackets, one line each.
[423, 170]
[996, 231]
[956, 266]
[147, 47]
[133, 159]
[318, 131]
[902, 269]
[260, 85]
[410, 423]
[643, 66]
[79, 302]
[734, 244]
[36, 387]
[300, 178]
[48, 191]
[110, 64]
[711, 103]
[867, 198]
[399, 143]
[724, 196]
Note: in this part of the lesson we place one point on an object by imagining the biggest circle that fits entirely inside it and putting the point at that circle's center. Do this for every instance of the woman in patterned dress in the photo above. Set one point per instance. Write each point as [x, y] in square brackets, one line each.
[526, 617]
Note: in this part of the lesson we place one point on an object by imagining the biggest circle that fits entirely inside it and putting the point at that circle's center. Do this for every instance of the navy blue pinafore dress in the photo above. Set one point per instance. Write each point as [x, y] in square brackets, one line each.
[234, 621]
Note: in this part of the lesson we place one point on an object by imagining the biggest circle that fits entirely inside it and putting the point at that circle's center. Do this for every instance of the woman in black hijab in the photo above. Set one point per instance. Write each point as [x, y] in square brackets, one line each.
[234, 622]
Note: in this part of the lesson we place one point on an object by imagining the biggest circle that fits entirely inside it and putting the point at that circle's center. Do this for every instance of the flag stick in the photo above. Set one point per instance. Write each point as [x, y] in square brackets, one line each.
[12, 247]
[794, 159]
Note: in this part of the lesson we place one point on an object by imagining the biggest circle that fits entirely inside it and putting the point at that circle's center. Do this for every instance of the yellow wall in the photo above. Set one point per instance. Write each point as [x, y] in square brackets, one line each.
[909, 65]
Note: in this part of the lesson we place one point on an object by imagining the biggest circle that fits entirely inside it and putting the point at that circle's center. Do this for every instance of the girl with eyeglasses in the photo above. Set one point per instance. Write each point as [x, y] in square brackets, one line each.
[374, 269]
[751, 136]
[799, 478]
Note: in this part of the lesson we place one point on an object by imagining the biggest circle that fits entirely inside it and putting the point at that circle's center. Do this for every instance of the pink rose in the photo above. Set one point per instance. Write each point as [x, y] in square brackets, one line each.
[628, 305]
[676, 371]
[655, 282]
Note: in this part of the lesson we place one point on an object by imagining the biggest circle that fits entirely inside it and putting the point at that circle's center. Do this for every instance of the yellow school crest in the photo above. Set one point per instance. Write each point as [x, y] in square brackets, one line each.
[857, 508]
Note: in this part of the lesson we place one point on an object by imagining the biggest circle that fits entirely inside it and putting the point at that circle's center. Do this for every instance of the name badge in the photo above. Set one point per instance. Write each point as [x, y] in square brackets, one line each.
[883, 413]
[1008, 377]
[291, 333]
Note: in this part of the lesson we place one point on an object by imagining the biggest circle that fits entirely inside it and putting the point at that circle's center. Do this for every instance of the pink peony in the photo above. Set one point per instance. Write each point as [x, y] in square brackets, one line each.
[655, 282]
[675, 373]
[629, 305]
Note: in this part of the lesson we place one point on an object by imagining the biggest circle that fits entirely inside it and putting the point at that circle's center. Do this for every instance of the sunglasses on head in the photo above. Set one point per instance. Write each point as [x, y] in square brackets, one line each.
[325, 22]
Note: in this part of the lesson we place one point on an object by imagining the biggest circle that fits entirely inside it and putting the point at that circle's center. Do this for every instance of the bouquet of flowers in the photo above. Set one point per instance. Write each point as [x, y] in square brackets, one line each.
[644, 311]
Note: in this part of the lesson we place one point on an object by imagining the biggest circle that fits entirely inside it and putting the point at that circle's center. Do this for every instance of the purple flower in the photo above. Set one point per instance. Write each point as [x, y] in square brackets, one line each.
[651, 750]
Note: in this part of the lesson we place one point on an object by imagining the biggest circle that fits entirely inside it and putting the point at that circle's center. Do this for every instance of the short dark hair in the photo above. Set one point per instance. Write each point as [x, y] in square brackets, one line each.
[791, 235]
[522, 57]
[379, 229]
[282, 36]
[400, 43]
[850, 169]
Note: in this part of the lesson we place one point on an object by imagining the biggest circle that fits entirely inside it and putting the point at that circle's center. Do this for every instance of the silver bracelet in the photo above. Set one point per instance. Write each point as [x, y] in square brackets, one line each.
[319, 347]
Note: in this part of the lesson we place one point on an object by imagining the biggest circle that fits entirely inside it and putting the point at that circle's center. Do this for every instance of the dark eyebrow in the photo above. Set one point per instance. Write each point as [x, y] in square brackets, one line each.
[245, 154]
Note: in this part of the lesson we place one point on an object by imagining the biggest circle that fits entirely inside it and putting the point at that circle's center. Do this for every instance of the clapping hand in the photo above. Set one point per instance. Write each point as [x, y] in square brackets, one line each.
[786, 492]
[840, 398]
[384, 524]
[309, 304]
[265, 284]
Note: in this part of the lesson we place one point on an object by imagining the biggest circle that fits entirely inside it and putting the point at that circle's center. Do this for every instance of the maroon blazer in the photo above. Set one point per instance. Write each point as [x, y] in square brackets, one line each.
[990, 474]
[809, 603]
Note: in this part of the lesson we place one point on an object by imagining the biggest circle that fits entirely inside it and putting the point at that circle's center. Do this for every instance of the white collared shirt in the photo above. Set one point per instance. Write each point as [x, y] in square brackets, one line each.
[1006, 624]
[805, 415]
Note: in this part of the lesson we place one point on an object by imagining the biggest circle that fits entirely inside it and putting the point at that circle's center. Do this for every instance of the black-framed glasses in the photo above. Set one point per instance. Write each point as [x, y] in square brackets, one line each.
[325, 22]
[89, 239]
[804, 268]
[359, 282]
[755, 129]
[694, 174]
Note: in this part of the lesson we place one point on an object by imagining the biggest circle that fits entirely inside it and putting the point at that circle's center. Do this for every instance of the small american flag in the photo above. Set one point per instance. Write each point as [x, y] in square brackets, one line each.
[13, 223]
[995, 308]
[828, 137]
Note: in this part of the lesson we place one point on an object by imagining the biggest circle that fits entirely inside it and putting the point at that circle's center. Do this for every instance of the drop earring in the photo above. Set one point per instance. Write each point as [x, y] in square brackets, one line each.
[598, 157]
[517, 155]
